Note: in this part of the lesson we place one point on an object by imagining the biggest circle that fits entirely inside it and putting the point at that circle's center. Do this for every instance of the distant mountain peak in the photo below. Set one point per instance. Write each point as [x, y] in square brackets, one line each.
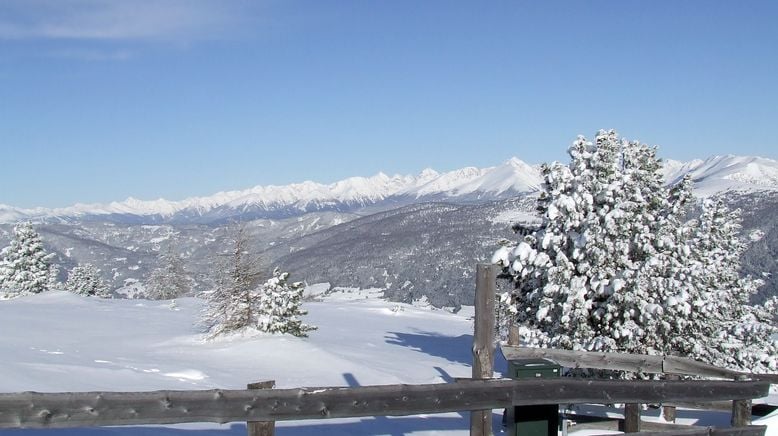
[517, 163]
[428, 173]
[726, 173]
[512, 177]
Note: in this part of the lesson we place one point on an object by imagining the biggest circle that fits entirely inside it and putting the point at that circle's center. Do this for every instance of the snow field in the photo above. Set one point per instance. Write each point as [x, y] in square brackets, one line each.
[58, 341]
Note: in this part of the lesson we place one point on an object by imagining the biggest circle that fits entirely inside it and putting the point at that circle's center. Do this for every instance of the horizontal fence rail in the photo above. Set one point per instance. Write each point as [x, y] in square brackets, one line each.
[90, 409]
[751, 430]
[629, 362]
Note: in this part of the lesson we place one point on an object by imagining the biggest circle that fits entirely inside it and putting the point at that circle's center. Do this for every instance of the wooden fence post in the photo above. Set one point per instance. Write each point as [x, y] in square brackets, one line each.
[514, 338]
[669, 412]
[261, 428]
[741, 409]
[631, 418]
[483, 340]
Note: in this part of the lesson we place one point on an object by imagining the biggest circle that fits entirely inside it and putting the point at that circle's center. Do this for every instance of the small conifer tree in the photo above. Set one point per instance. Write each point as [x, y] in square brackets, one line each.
[26, 267]
[239, 301]
[85, 280]
[281, 306]
[169, 280]
[232, 304]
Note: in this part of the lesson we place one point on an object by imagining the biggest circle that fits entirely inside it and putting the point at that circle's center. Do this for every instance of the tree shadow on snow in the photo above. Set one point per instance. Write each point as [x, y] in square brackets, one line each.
[379, 425]
[456, 349]
[383, 425]
[362, 426]
[234, 429]
[452, 348]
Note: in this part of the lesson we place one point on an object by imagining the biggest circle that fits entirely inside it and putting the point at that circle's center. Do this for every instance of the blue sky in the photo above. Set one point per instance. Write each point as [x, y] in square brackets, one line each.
[101, 99]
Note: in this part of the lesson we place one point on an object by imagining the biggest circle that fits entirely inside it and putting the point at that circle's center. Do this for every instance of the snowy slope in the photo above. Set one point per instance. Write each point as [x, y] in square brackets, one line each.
[59, 342]
[513, 177]
[141, 345]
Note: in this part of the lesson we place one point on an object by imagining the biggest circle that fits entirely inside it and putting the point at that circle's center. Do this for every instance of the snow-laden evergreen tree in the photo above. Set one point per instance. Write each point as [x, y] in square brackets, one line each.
[169, 280]
[699, 302]
[577, 277]
[280, 306]
[616, 266]
[85, 280]
[743, 337]
[25, 267]
[233, 304]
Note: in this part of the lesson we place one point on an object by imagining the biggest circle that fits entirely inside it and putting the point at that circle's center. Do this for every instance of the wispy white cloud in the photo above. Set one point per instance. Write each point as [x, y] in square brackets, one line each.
[179, 20]
[85, 54]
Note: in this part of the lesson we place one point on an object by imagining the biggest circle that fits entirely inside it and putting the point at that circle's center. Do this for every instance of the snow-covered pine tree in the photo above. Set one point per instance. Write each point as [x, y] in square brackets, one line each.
[233, 304]
[25, 267]
[169, 280]
[281, 306]
[698, 303]
[615, 265]
[85, 280]
[577, 277]
[742, 335]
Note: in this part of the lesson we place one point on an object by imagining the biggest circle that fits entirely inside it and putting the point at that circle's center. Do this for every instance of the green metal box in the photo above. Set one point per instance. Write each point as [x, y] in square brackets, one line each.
[539, 420]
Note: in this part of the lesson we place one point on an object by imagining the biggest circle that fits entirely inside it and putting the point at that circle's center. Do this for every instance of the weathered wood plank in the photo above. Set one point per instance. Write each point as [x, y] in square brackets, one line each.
[683, 366]
[721, 406]
[483, 340]
[754, 430]
[89, 409]
[751, 430]
[261, 428]
[697, 431]
[591, 425]
[582, 359]
[630, 362]
[772, 378]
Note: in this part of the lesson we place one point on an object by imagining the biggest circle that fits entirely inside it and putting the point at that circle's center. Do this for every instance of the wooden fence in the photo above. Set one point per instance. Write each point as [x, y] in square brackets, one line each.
[631, 362]
[669, 366]
[86, 409]
[260, 405]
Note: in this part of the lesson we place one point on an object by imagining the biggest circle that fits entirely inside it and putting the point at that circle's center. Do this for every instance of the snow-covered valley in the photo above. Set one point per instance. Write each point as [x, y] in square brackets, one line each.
[413, 236]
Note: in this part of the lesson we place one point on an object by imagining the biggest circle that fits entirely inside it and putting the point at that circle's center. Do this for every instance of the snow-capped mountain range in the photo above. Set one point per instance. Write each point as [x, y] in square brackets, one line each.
[513, 177]
[725, 173]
